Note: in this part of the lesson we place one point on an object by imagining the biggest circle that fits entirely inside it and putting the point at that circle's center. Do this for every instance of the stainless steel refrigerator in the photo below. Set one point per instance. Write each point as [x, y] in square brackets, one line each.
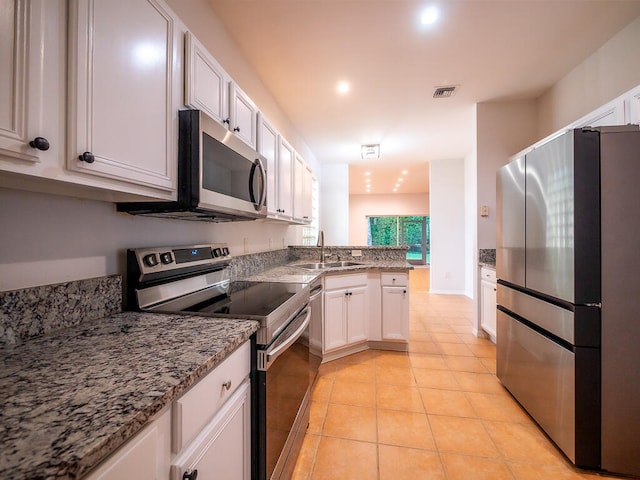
[568, 326]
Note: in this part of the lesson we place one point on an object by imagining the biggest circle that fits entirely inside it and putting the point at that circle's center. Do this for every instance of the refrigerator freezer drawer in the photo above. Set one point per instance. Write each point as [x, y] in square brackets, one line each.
[542, 376]
[556, 320]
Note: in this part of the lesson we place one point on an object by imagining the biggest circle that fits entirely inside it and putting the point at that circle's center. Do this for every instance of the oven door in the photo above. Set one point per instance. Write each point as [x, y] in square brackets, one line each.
[282, 396]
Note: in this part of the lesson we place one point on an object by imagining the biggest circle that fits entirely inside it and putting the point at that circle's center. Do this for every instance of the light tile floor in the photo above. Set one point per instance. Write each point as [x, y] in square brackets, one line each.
[436, 412]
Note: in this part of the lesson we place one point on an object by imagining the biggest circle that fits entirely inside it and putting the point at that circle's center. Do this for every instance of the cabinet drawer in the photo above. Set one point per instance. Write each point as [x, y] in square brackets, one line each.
[488, 274]
[333, 282]
[394, 279]
[196, 407]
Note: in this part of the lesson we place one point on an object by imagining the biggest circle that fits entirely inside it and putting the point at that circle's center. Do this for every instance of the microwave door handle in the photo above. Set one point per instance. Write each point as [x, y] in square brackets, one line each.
[263, 193]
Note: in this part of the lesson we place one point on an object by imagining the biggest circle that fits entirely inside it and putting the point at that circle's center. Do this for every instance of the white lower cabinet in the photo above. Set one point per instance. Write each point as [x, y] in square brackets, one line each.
[145, 456]
[395, 306]
[223, 448]
[207, 430]
[345, 311]
[488, 301]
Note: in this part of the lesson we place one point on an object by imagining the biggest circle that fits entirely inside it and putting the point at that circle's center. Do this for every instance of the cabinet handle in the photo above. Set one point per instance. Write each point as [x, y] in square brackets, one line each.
[227, 121]
[190, 475]
[236, 129]
[227, 385]
[40, 143]
[87, 157]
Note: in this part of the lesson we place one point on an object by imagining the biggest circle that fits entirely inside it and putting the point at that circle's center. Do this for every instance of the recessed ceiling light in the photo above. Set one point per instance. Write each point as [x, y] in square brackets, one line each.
[343, 87]
[404, 172]
[429, 16]
[367, 180]
[401, 179]
[395, 190]
[367, 173]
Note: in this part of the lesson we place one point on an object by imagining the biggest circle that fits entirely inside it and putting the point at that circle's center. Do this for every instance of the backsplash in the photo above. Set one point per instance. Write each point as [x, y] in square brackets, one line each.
[39, 310]
[333, 254]
[246, 265]
[487, 255]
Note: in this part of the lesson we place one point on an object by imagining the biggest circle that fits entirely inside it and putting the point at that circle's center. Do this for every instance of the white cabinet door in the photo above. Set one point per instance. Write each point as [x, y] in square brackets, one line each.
[268, 141]
[634, 106]
[243, 115]
[205, 81]
[335, 320]
[357, 318]
[395, 313]
[610, 114]
[298, 188]
[285, 180]
[307, 195]
[124, 86]
[145, 456]
[32, 43]
[223, 449]
[488, 302]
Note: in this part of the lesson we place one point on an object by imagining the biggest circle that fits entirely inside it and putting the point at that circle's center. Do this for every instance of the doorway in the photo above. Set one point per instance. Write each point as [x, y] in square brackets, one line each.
[412, 231]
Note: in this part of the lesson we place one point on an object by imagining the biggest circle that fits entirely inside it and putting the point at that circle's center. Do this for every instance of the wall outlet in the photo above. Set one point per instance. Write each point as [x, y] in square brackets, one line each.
[246, 246]
[484, 210]
[356, 253]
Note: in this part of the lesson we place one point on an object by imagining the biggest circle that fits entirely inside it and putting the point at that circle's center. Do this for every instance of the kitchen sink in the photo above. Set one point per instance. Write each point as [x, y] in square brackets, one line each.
[320, 266]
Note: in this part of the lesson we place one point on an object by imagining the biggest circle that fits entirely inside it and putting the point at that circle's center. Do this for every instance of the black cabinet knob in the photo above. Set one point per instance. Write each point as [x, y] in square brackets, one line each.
[192, 475]
[236, 129]
[40, 143]
[87, 157]
[227, 121]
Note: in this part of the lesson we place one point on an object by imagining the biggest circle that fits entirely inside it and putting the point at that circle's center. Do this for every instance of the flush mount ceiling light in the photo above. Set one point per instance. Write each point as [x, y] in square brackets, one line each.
[429, 16]
[370, 151]
[343, 87]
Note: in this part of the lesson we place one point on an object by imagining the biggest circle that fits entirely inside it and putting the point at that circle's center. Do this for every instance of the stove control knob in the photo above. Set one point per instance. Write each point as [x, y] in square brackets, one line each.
[150, 260]
[166, 258]
[225, 251]
[217, 252]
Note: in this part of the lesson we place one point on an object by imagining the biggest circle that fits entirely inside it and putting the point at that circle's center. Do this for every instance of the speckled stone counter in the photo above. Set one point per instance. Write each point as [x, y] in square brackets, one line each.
[71, 398]
[294, 274]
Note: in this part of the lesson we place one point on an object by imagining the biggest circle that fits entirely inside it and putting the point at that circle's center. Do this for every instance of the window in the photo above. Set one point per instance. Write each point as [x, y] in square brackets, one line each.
[412, 231]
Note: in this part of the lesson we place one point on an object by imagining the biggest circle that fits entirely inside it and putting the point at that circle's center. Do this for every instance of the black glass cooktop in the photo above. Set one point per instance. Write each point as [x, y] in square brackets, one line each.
[257, 299]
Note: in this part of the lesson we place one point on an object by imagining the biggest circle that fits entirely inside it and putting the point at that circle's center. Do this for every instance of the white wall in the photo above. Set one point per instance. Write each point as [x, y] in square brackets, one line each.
[447, 184]
[502, 129]
[363, 206]
[612, 70]
[334, 203]
[50, 239]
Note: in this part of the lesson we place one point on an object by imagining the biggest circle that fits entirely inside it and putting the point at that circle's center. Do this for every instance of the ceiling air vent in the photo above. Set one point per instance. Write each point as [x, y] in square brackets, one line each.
[444, 92]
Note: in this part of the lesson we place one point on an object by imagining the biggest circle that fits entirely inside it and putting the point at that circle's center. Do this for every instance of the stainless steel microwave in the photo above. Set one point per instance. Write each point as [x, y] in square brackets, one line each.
[220, 178]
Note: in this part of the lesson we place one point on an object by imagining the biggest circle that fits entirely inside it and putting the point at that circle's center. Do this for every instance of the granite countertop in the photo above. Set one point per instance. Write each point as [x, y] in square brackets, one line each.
[73, 397]
[294, 274]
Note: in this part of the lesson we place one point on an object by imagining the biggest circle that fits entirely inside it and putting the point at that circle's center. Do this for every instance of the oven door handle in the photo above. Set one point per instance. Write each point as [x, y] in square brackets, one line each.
[276, 350]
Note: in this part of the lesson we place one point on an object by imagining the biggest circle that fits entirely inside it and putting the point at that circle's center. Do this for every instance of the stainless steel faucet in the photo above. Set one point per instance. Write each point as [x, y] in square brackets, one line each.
[321, 245]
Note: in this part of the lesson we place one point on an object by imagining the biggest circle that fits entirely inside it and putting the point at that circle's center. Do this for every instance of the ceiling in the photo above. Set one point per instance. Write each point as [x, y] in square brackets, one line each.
[491, 50]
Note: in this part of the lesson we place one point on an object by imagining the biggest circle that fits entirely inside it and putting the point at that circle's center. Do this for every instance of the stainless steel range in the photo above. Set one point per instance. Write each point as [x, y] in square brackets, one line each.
[196, 279]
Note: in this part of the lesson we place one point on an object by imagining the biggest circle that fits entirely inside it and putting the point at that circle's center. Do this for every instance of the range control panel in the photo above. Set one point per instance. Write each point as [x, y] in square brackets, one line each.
[165, 259]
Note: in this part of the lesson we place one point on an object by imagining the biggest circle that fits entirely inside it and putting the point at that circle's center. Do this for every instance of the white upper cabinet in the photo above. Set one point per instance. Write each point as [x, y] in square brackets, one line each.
[31, 79]
[634, 106]
[206, 82]
[124, 91]
[285, 179]
[298, 189]
[612, 113]
[243, 115]
[268, 141]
